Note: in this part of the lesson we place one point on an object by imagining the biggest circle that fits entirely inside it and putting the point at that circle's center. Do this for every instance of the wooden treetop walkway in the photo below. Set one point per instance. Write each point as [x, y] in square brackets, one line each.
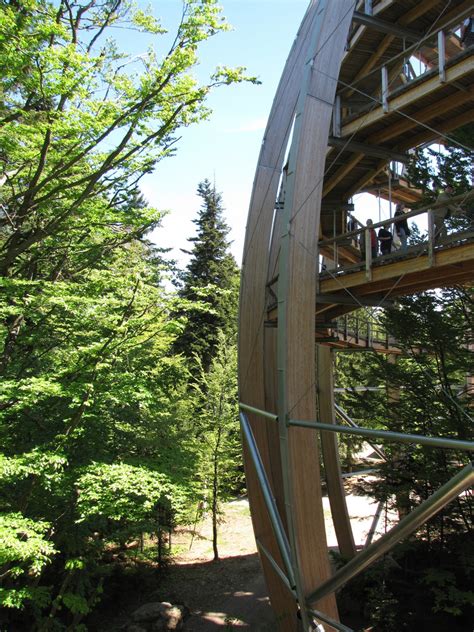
[365, 83]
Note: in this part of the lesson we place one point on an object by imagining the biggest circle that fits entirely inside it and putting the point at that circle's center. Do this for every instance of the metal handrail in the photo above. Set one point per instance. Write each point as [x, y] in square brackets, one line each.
[350, 326]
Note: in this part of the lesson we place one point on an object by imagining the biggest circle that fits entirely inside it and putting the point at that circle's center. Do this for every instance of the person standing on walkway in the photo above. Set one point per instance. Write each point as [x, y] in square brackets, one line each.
[385, 237]
[401, 226]
[373, 238]
[444, 211]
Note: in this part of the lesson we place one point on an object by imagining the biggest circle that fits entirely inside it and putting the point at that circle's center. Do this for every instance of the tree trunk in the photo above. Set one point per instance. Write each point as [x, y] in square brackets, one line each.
[215, 498]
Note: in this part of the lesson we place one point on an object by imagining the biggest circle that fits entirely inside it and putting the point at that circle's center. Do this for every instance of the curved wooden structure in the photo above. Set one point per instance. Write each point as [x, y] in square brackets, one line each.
[345, 107]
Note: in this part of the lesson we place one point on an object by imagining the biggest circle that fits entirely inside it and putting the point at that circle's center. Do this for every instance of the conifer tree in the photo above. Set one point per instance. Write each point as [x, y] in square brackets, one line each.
[210, 282]
[217, 424]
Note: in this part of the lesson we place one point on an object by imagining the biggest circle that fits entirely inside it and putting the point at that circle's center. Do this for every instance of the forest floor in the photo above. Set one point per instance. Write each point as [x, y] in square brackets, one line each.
[228, 594]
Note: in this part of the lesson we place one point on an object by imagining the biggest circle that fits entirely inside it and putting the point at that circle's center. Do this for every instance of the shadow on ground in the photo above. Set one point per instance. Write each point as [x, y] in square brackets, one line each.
[224, 595]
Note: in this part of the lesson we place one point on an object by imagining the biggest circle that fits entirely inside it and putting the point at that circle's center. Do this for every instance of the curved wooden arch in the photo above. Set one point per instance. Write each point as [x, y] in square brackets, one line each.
[257, 347]
[280, 369]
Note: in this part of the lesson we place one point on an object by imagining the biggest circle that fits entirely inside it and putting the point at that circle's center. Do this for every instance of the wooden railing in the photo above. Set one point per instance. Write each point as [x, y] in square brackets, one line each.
[428, 243]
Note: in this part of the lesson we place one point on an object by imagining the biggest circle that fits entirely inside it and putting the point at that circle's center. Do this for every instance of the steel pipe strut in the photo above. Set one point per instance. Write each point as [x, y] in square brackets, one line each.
[342, 413]
[445, 494]
[270, 503]
[437, 442]
[258, 411]
[276, 568]
[335, 624]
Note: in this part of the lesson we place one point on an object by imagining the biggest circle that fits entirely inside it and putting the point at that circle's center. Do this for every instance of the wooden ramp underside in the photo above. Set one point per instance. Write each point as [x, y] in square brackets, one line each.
[415, 272]
[343, 134]
[388, 279]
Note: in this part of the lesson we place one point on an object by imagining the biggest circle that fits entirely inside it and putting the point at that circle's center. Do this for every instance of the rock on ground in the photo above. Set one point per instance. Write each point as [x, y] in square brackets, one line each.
[157, 616]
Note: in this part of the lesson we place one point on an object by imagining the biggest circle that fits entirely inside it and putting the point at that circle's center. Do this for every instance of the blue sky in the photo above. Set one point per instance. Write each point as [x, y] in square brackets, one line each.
[225, 148]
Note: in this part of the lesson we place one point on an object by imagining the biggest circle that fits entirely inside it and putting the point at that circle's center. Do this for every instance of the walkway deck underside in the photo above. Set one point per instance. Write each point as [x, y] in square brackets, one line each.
[453, 266]
[414, 272]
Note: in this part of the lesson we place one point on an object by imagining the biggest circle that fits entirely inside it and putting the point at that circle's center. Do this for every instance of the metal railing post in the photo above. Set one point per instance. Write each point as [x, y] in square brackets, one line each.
[431, 237]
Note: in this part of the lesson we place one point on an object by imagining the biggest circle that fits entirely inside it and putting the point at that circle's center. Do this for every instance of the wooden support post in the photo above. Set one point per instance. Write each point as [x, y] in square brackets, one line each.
[368, 255]
[329, 445]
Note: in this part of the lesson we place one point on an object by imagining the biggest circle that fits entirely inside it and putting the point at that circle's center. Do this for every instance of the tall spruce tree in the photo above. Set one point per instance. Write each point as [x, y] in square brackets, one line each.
[210, 283]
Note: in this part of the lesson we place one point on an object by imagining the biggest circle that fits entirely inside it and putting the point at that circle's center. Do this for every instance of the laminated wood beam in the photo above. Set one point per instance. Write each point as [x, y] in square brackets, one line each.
[345, 299]
[252, 310]
[386, 27]
[296, 292]
[366, 179]
[409, 96]
[330, 184]
[404, 124]
[368, 149]
[329, 445]
[432, 135]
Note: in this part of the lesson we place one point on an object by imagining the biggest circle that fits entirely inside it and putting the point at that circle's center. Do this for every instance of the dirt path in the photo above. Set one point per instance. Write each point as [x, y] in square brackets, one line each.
[230, 594]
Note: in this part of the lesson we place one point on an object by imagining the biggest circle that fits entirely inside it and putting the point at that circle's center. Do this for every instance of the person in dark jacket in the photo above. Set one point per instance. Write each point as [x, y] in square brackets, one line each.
[385, 238]
[401, 226]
